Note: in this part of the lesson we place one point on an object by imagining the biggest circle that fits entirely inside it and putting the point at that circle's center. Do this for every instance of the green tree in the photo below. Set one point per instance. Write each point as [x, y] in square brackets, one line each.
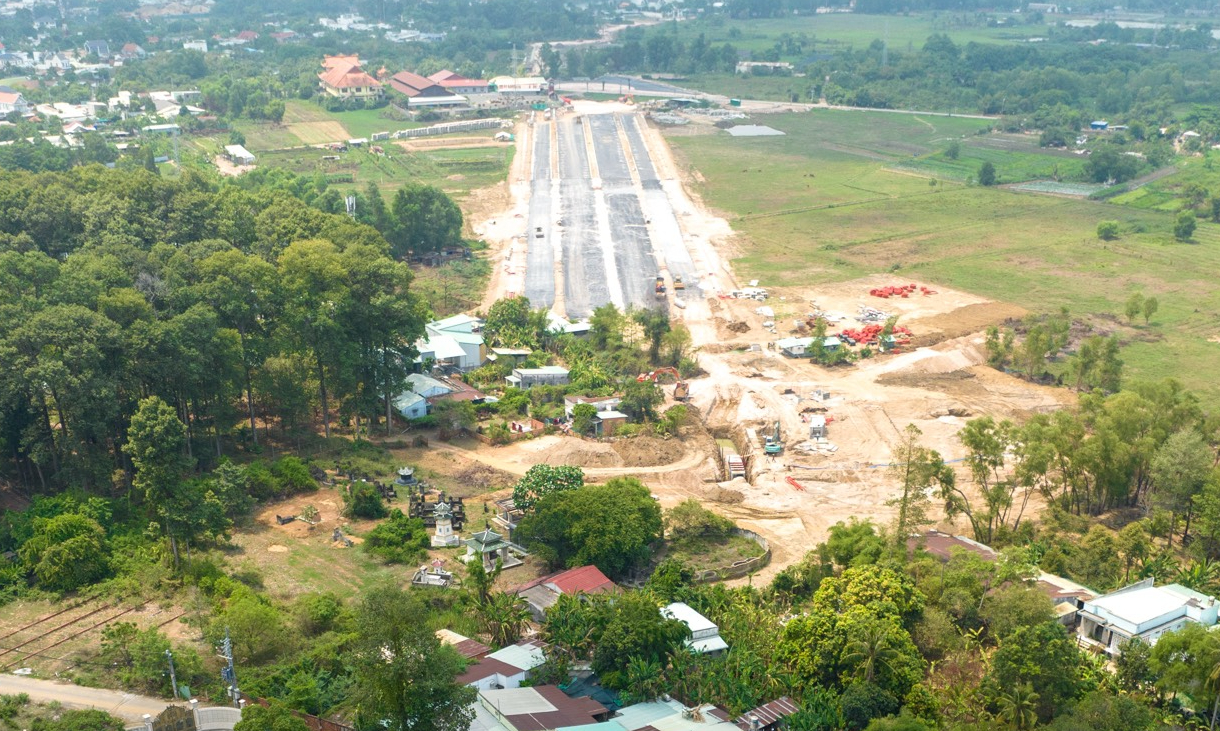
[863, 702]
[363, 501]
[66, 552]
[1099, 709]
[640, 399]
[1151, 305]
[276, 717]
[1135, 305]
[405, 678]
[543, 480]
[1107, 230]
[690, 520]
[916, 468]
[258, 629]
[1014, 607]
[1184, 226]
[503, 616]
[1019, 706]
[1134, 666]
[509, 323]
[953, 150]
[987, 174]
[156, 441]
[1179, 470]
[1045, 659]
[398, 540]
[582, 418]
[611, 526]
[634, 628]
[76, 720]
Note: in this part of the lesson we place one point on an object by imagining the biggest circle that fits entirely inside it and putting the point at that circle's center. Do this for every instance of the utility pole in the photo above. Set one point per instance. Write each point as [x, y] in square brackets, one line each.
[227, 673]
[173, 678]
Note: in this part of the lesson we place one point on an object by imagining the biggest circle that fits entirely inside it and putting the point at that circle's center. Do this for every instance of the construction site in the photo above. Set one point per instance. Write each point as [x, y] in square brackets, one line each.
[784, 445]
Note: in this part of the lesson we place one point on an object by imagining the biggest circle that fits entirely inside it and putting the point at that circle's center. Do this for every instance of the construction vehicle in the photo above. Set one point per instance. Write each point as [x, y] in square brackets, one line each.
[678, 284]
[772, 443]
[660, 287]
[681, 388]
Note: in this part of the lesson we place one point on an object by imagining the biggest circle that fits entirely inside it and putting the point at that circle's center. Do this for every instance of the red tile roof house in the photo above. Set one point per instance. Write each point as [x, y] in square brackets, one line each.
[542, 593]
[347, 80]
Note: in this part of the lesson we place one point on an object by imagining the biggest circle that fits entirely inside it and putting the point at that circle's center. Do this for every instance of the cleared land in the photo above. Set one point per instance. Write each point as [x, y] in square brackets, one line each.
[826, 203]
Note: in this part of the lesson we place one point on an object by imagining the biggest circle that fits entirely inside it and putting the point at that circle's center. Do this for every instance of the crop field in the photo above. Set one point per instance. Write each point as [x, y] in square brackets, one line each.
[823, 204]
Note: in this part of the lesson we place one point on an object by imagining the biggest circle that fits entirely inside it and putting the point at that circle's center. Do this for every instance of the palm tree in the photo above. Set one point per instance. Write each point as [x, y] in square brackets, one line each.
[871, 650]
[504, 617]
[1213, 682]
[1200, 575]
[644, 680]
[1020, 707]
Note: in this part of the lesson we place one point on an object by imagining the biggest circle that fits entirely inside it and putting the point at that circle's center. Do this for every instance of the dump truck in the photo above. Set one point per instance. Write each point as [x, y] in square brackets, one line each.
[660, 287]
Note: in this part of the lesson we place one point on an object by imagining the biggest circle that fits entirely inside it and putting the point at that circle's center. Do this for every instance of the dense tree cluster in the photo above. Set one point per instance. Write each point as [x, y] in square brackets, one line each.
[234, 308]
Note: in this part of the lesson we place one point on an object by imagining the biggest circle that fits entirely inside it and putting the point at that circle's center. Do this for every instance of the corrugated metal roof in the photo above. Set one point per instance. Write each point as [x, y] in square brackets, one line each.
[524, 708]
[768, 713]
[692, 619]
[525, 656]
[588, 579]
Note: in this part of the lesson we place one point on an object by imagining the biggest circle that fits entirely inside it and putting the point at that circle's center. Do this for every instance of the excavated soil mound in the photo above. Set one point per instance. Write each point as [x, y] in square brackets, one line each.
[584, 454]
[646, 451]
[482, 477]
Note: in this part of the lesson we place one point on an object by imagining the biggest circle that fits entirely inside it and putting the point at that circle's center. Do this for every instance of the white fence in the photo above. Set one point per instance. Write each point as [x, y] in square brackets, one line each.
[451, 127]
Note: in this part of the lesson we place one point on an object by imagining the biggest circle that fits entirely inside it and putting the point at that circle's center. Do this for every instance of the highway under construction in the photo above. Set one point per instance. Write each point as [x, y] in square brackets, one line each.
[601, 220]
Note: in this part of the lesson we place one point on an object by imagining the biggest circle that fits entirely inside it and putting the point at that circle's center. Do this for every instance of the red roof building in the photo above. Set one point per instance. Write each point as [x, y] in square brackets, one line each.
[343, 78]
[246, 36]
[459, 84]
[542, 593]
[421, 91]
[541, 708]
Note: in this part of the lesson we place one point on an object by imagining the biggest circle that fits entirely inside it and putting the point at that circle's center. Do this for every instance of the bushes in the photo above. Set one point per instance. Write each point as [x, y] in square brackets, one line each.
[688, 520]
[398, 540]
[363, 501]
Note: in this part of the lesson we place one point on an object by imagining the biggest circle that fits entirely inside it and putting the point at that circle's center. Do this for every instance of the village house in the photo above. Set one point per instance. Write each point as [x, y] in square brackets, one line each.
[343, 78]
[1142, 610]
[505, 668]
[12, 101]
[455, 342]
[542, 593]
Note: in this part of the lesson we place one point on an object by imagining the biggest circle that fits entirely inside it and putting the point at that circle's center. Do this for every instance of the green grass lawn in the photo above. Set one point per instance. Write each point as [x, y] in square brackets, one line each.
[365, 122]
[824, 204]
[262, 136]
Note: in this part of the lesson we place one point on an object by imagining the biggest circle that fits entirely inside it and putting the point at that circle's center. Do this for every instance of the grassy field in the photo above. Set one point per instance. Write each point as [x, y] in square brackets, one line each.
[834, 31]
[825, 204]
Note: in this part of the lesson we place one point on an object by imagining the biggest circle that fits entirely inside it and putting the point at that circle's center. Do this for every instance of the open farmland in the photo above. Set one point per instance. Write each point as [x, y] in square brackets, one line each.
[824, 204]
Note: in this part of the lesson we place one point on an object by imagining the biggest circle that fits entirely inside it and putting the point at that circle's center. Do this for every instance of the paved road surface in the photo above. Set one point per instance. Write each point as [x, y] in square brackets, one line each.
[540, 253]
[124, 705]
[608, 220]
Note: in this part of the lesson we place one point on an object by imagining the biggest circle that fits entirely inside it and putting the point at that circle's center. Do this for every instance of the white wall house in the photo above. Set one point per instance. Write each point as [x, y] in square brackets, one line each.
[1144, 611]
[704, 634]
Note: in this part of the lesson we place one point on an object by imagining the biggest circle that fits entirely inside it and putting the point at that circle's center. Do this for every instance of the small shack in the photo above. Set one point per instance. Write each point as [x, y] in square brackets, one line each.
[817, 426]
[607, 422]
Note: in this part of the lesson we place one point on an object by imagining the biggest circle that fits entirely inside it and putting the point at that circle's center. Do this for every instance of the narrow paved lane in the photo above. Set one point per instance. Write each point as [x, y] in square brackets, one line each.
[540, 254]
[127, 706]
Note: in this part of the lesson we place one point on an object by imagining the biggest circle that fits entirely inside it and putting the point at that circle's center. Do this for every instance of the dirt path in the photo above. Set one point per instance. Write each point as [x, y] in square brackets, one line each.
[518, 458]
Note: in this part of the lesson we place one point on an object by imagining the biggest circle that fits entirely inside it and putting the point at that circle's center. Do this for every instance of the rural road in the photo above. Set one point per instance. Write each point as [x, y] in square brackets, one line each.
[127, 706]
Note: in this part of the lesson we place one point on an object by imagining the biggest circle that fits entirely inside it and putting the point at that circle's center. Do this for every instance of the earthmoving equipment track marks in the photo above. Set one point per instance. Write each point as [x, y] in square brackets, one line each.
[28, 654]
[632, 249]
[587, 281]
